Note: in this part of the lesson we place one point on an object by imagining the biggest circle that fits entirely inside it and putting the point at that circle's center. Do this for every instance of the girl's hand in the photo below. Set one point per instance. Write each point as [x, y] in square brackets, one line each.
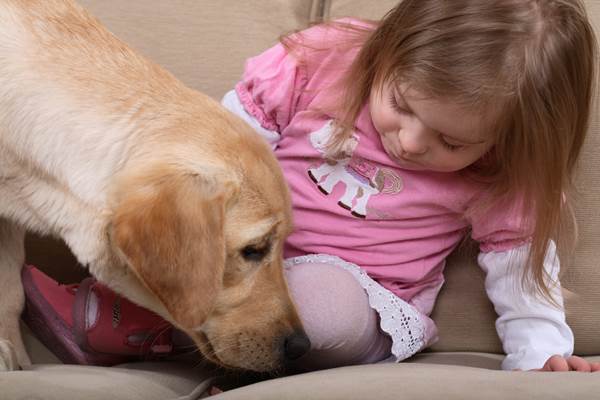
[558, 363]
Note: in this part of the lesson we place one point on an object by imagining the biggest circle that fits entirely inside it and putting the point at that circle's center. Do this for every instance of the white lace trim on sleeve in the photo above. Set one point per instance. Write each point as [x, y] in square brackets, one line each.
[232, 102]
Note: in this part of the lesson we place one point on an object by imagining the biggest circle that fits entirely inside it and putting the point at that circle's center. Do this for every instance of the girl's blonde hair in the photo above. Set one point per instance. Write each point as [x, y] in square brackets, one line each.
[532, 61]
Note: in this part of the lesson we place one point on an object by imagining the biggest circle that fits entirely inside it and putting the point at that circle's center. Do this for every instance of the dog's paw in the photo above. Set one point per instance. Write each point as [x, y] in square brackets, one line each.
[8, 357]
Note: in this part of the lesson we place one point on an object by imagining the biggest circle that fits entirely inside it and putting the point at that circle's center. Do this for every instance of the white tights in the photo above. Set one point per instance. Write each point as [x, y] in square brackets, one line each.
[335, 311]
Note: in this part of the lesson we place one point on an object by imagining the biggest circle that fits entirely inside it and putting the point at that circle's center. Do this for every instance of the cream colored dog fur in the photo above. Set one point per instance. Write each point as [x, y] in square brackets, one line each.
[164, 195]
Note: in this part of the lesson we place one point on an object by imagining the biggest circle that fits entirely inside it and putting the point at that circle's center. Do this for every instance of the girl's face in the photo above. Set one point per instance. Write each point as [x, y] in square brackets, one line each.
[427, 134]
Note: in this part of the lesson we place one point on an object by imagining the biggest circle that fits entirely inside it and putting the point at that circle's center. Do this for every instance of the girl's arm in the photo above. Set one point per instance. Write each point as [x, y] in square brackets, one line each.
[531, 329]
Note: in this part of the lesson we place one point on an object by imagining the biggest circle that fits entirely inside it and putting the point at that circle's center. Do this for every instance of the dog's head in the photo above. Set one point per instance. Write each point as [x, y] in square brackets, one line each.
[199, 219]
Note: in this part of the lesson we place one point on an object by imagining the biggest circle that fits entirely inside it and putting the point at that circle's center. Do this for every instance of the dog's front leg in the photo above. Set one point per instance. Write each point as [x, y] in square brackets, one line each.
[12, 298]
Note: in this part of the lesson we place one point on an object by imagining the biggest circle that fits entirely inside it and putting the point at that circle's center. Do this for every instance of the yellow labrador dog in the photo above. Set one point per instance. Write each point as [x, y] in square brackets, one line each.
[165, 196]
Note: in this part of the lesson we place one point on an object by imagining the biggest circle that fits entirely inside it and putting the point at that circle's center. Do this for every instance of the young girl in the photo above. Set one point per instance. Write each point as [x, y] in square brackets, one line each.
[398, 139]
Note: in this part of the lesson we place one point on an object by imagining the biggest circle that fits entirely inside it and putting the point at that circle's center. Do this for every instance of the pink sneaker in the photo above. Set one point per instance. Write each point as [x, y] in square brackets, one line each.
[90, 324]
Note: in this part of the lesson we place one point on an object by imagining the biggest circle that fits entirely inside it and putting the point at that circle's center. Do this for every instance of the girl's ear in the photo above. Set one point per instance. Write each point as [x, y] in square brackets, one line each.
[170, 230]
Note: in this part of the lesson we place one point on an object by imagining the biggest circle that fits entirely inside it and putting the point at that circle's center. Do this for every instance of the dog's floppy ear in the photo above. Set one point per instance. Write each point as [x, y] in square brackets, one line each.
[170, 230]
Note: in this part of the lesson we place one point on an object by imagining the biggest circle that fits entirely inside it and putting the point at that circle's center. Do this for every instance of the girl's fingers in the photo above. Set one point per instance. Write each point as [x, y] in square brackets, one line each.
[556, 364]
[578, 364]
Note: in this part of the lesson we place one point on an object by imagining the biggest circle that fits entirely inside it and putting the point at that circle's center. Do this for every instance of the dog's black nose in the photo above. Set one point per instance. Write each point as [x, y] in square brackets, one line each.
[295, 346]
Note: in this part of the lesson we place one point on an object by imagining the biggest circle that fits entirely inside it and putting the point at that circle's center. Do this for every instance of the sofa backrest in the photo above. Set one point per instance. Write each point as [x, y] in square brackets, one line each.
[205, 43]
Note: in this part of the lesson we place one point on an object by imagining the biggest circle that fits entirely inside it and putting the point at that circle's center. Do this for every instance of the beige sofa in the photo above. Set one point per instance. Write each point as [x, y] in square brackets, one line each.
[205, 43]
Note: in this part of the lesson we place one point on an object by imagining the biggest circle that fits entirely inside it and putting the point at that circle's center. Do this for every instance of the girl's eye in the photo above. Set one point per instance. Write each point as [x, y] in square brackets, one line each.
[449, 146]
[396, 106]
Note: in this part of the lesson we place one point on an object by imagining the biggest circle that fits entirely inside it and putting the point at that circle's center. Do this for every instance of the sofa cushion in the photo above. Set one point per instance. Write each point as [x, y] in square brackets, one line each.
[144, 381]
[421, 380]
[425, 376]
[358, 8]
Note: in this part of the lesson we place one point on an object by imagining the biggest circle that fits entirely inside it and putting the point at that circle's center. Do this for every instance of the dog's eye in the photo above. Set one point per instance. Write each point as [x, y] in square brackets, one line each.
[253, 253]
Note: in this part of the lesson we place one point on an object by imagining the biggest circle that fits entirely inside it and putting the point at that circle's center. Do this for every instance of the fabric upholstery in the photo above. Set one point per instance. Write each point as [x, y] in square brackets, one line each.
[420, 381]
[204, 43]
[147, 381]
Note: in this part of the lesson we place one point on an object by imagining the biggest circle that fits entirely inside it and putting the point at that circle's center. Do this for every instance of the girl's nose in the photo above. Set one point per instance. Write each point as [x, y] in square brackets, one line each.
[413, 139]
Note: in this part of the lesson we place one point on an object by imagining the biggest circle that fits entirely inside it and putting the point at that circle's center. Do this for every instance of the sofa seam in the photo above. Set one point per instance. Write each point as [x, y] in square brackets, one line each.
[321, 10]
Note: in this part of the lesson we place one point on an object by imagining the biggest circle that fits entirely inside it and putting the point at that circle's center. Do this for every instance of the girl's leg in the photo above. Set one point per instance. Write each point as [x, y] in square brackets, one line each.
[341, 325]
[334, 309]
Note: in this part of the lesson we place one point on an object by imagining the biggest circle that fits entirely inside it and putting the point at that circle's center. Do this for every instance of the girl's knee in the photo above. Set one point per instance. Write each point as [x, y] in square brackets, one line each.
[336, 314]
[330, 302]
